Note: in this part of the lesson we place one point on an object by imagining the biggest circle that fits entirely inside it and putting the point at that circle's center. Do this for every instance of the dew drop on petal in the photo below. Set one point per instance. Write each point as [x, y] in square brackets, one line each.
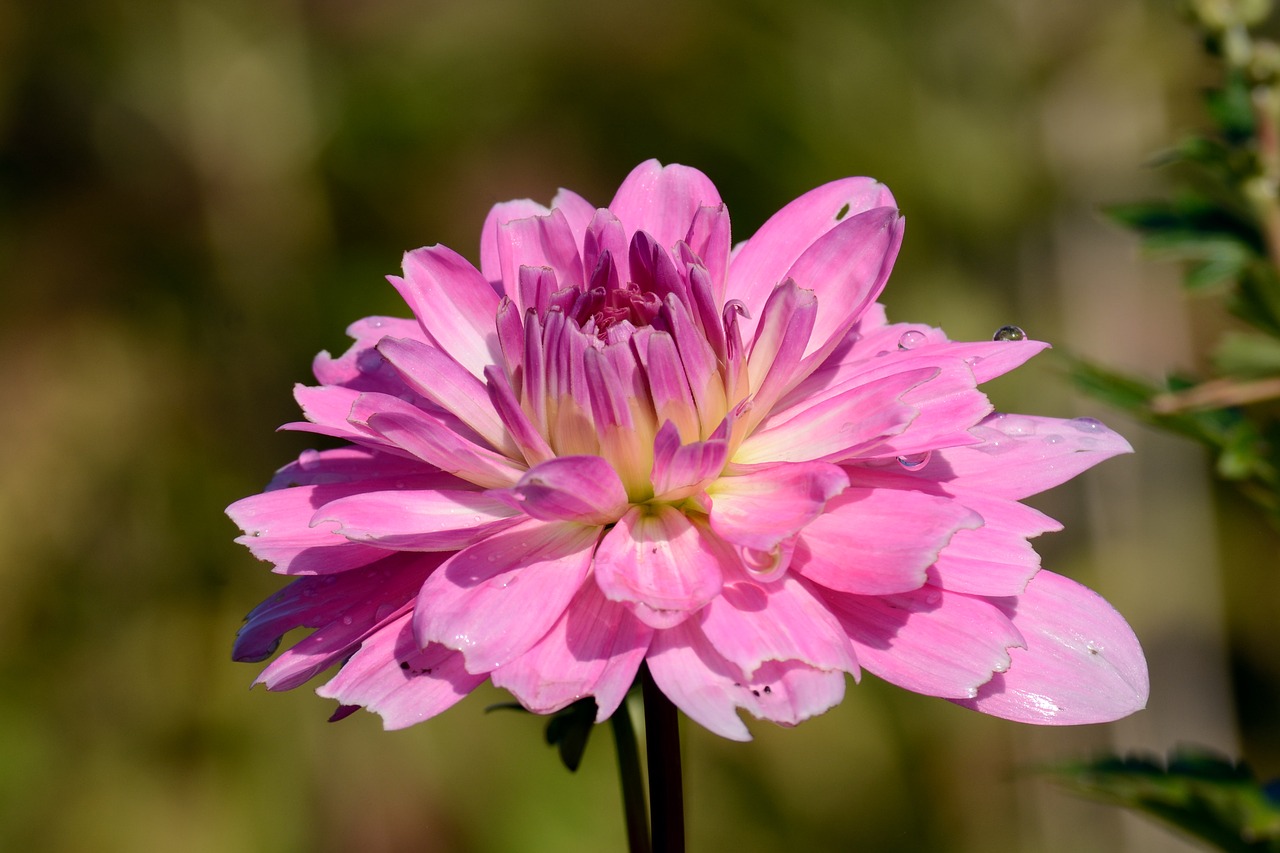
[914, 461]
[346, 620]
[1016, 425]
[1053, 439]
[911, 340]
[973, 360]
[1087, 424]
[368, 361]
[309, 459]
[1009, 333]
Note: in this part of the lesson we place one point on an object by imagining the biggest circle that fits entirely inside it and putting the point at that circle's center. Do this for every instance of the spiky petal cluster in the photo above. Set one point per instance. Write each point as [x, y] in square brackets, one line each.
[621, 441]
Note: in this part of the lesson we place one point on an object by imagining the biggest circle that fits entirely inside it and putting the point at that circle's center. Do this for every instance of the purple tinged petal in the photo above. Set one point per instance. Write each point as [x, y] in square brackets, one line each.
[662, 200]
[709, 240]
[1081, 664]
[781, 336]
[530, 442]
[539, 241]
[1022, 455]
[682, 470]
[510, 328]
[535, 288]
[668, 387]
[604, 246]
[859, 419]
[352, 464]
[499, 214]
[595, 649]
[700, 366]
[480, 601]
[403, 684]
[878, 541]
[761, 508]
[417, 520]
[584, 489]
[577, 211]
[928, 641]
[766, 258]
[360, 367]
[328, 411]
[431, 440]
[750, 623]
[440, 379]
[453, 303]
[657, 558]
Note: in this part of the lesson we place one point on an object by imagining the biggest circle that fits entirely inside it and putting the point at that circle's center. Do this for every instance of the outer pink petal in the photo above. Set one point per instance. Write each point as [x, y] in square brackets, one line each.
[750, 623]
[584, 489]
[1021, 455]
[395, 679]
[360, 366]
[710, 689]
[354, 464]
[499, 214]
[763, 261]
[494, 600]
[760, 508]
[1081, 664]
[540, 241]
[879, 541]
[681, 470]
[656, 558]
[594, 650]
[929, 641]
[277, 529]
[996, 559]
[454, 304]
[417, 520]
[662, 200]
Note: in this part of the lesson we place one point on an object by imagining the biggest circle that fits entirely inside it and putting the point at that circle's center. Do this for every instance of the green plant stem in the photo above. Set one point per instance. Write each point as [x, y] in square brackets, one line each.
[666, 788]
[633, 805]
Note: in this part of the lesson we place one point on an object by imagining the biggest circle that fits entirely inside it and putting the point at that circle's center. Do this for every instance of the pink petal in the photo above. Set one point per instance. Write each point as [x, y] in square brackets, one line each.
[662, 200]
[682, 470]
[454, 304]
[361, 367]
[929, 641]
[668, 385]
[765, 260]
[352, 464]
[760, 508]
[595, 649]
[709, 239]
[440, 379]
[1021, 455]
[750, 623]
[584, 489]
[540, 241]
[499, 214]
[328, 412]
[494, 600]
[861, 418]
[710, 689]
[996, 559]
[417, 520]
[657, 559]
[786, 323]
[277, 529]
[879, 541]
[1081, 664]
[395, 679]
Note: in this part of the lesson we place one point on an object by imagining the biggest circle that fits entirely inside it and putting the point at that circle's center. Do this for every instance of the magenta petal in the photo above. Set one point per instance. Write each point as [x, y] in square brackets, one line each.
[928, 641]
[662, 201]
[1082, 662]
[360, 367]
[540, 241]
[277, 529]
[584, 489]
[750, 623]
[879, 541]
[480, 601]
[764, 260]
[996, 559]
[681, 470]
[395, 679]
[760, 508]
[500, 214]
[594, 650]
[1022, 455]
[417, 520]
[454, 304]
[656, 557]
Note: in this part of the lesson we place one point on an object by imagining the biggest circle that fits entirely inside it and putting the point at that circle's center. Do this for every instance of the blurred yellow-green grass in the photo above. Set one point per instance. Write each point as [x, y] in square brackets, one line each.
[197, 196]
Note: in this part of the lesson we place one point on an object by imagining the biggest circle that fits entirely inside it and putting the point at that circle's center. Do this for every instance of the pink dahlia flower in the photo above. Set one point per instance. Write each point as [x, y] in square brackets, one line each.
[623, 440]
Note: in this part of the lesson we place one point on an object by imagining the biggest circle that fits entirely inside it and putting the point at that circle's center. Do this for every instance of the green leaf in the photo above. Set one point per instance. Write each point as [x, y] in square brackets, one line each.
[1206, 795]
[570, 728]
[1248, 355]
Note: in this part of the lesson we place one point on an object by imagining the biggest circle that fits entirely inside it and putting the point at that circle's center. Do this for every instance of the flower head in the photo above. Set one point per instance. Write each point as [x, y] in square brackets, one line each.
[623, 441]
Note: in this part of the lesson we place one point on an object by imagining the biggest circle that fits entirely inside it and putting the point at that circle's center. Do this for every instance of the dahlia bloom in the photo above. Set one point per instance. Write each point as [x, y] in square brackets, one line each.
[622, 440]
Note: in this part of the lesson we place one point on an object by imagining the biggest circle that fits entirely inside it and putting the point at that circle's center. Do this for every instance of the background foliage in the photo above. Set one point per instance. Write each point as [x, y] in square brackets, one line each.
[196, 196]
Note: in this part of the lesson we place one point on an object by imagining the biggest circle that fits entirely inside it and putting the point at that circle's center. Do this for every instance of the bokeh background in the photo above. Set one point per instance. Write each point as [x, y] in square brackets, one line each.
[196, 196]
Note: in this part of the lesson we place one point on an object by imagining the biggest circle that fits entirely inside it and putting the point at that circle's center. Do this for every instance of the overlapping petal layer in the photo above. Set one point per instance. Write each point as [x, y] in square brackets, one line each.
[619, 443]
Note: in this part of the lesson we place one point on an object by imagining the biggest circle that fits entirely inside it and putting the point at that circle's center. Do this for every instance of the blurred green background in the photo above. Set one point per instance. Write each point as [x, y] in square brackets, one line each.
[195, 197]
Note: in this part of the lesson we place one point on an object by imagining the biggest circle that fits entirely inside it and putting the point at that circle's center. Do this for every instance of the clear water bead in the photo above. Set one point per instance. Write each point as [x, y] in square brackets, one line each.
[1009, 333]
[914, 461]
[309, 459]
[911, 340]
[1087, 424]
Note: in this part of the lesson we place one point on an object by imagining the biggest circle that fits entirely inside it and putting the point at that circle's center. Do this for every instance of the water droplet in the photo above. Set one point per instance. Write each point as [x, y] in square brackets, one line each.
[399, 484]
[911, 340]
[1053, 439]
[973, 360]
[309, 459]
[368, 361]
[1016, 425]
[933, 598]
[914, 461]
[882, 353]
[347, 620]
[475, 519]
[1087, 424]
[1009, 333]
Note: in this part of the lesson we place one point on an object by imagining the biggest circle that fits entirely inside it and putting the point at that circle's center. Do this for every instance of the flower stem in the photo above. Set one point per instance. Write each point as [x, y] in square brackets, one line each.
[624, 740]
[666, 789]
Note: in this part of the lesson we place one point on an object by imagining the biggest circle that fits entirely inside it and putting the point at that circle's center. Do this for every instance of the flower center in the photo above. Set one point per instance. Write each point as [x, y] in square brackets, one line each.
[628, 303]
